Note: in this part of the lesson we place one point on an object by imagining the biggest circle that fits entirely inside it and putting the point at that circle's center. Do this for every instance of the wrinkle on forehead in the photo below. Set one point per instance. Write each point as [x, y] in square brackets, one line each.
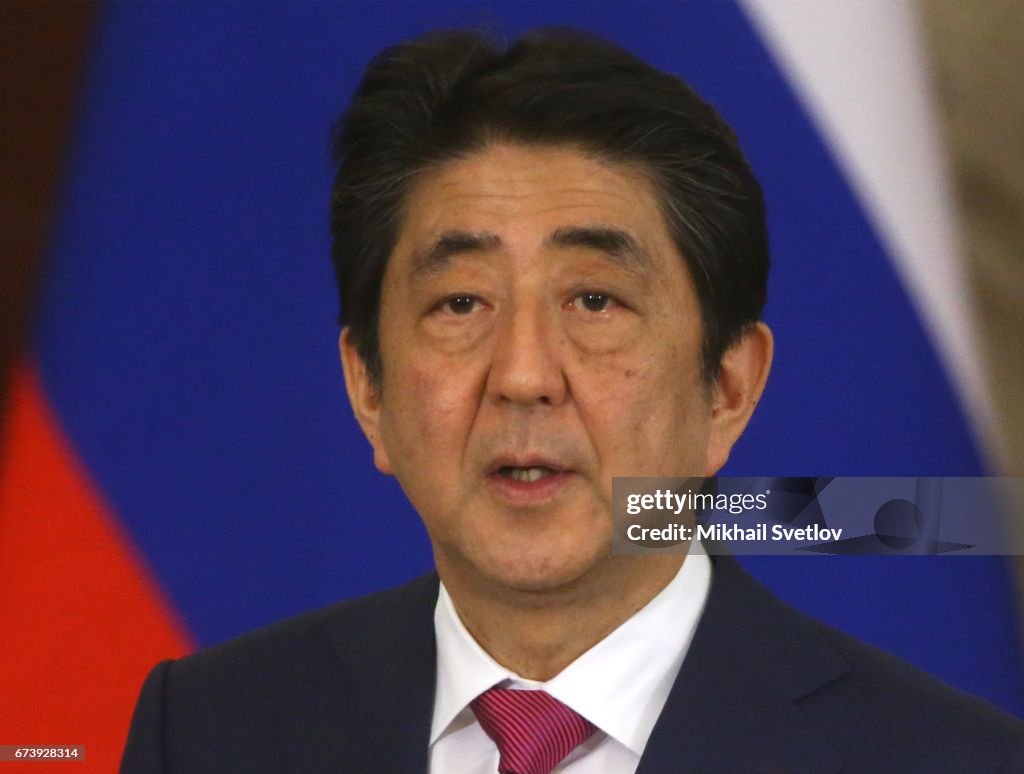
[553, 197]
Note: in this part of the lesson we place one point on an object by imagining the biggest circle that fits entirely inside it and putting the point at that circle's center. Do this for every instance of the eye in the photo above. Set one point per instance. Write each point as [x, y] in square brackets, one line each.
[460, 305]
[592, 301]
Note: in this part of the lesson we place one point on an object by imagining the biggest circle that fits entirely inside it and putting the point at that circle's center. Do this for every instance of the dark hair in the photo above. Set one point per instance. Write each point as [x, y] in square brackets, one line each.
[447, 94]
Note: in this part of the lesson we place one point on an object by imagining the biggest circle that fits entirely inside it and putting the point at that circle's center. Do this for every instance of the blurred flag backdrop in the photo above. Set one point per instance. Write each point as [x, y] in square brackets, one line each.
[180, 464]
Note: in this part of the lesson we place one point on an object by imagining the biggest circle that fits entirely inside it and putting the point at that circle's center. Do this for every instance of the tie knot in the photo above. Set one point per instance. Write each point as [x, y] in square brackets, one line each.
[533, 730]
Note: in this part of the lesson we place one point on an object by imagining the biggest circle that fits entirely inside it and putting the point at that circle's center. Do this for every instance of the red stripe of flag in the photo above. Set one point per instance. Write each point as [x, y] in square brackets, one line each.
[81, 618]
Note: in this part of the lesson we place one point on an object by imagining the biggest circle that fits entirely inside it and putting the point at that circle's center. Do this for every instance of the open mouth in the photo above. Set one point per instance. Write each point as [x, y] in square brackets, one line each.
[525, 474]
[527, 479]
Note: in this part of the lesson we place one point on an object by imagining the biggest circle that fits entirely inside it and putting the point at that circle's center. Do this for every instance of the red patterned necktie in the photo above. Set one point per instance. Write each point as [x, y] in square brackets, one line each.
[533, 730]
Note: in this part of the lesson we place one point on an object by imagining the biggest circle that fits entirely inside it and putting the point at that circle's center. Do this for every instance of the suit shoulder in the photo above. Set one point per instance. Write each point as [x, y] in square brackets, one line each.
[294, 654]
[288, 697]
[895, 706]
[907, 686]
[878, 711]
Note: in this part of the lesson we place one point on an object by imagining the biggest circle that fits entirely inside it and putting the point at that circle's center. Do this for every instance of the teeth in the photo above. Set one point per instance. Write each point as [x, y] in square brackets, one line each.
[527, 475]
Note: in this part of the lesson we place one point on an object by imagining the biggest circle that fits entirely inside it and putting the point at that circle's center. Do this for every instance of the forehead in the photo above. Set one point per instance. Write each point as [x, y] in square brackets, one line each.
[518, 197]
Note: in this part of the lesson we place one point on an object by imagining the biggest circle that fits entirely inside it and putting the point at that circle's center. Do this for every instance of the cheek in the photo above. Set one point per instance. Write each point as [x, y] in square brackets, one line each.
[426, 412]
[617, 395]
[643, 409]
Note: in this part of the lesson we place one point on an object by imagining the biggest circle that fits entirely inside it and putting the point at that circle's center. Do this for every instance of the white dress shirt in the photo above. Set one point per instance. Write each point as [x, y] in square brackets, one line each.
[620, 684]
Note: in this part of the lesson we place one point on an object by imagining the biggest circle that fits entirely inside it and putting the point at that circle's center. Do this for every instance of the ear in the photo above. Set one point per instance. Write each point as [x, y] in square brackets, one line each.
[364, 397]
[741, 379]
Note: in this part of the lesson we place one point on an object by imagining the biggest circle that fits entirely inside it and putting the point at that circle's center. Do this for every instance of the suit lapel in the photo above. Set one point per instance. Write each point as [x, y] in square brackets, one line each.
[388, 651]
[733, 706]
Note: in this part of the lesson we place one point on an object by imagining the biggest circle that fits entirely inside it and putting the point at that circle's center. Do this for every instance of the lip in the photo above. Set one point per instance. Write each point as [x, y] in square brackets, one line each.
[524, 461]
[527, 493]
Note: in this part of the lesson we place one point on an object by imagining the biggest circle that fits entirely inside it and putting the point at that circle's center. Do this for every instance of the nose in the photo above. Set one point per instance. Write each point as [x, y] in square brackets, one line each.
[526, 362]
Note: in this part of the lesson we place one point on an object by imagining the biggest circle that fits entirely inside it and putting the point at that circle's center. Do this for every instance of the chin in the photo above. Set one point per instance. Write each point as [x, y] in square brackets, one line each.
[540, 572]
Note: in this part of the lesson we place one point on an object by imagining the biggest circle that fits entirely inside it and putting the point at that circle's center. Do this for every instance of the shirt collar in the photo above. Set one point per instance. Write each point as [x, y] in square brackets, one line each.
[620, 684]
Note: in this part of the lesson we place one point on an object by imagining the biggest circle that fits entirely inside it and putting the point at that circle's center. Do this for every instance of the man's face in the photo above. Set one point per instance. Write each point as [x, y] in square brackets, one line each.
[539, 335]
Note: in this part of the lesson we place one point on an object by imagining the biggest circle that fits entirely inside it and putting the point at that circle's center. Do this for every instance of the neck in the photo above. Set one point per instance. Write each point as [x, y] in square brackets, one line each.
[538, 633]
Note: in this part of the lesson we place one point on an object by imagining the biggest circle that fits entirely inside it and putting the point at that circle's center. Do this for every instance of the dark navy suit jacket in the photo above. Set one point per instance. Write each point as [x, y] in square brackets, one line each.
[350, 688]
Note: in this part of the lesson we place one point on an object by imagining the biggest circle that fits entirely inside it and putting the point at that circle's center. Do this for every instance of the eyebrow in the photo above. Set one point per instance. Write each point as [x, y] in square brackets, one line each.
[617, 244]
[436, 258]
